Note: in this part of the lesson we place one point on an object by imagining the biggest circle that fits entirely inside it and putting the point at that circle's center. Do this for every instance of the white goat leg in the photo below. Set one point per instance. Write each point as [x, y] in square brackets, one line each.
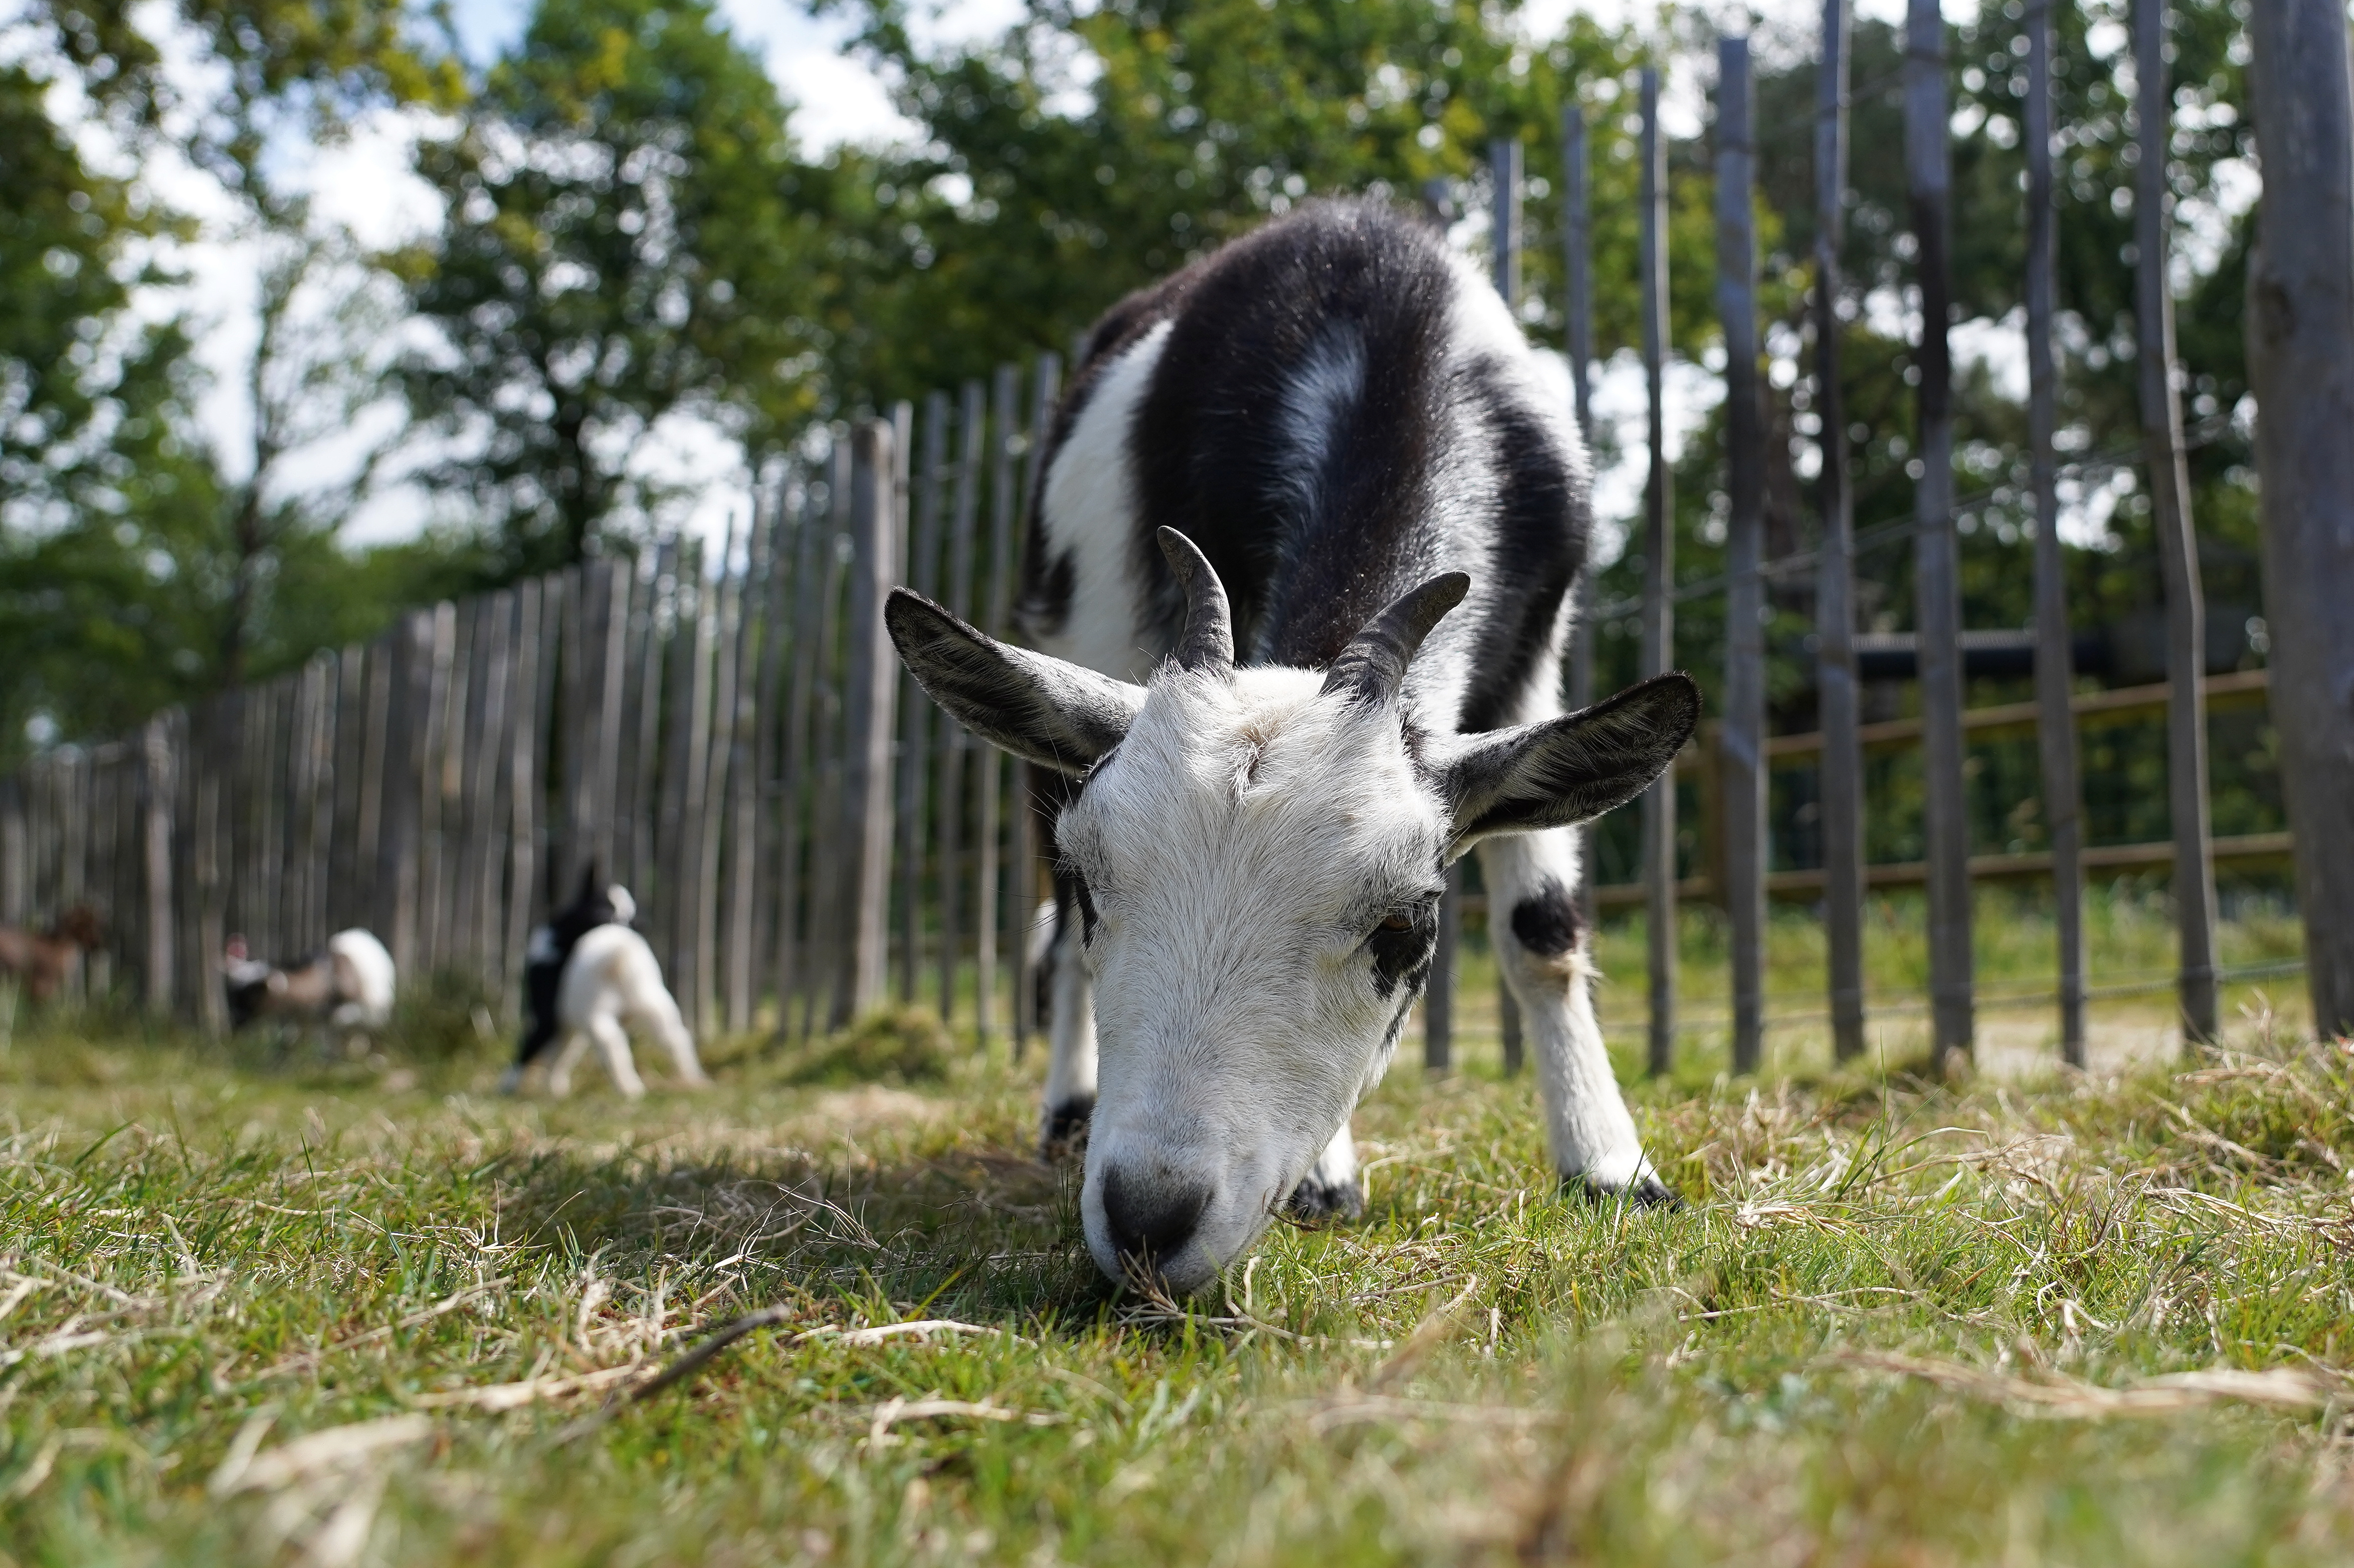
[1332, 1185]
[614, 1042]
[1531, 882]
[568, 1056]
[659, 1016]
[1071, 1064]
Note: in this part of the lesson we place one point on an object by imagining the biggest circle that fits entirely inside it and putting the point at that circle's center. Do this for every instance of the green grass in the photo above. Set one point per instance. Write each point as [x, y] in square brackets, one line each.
[254, 1309]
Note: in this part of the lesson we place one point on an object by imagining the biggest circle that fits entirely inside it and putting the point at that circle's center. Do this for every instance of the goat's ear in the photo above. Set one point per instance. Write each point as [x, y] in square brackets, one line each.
[1569, 769]
[1043, 710]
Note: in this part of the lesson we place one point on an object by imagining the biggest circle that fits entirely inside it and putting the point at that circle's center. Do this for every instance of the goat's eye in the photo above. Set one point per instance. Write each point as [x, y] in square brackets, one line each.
[1397, 920]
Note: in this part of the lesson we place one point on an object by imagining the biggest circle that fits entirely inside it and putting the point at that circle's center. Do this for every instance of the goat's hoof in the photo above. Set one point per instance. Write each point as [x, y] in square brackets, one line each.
[1066, 1129]
[1316, 1201]
[1649, 1193]
[511, 1081]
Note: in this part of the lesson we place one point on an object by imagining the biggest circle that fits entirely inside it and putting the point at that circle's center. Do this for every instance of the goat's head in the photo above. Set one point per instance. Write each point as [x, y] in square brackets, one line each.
[1260, 854]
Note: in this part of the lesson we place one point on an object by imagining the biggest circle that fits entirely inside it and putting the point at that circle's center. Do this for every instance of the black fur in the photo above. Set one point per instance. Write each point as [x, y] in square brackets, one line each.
[1213, 459]
[1545, 921]
[1401, 954]
[1650, 1192]
[543, 972]
[1067, 1128]
[1315, 1201]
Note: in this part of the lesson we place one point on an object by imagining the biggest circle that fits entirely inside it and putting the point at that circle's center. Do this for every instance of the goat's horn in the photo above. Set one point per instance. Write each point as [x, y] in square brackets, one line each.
[1372, 668]
[1208, 640]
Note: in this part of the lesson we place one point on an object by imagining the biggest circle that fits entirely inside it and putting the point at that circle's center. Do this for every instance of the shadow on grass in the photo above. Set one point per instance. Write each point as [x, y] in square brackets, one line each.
[988, 1235]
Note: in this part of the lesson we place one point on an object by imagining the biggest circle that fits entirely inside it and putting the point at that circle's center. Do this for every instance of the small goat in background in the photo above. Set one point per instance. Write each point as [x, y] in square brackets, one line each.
[589, 977]
[40, 961]
[347, 988]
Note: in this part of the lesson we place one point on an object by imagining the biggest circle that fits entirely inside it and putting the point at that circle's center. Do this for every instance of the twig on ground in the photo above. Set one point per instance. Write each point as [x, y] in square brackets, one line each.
[2280, 1388]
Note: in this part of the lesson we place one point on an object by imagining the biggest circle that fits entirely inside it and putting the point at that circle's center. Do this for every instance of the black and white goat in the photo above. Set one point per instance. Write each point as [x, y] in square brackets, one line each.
[588, 977]
[1264, 734]
[347, 988]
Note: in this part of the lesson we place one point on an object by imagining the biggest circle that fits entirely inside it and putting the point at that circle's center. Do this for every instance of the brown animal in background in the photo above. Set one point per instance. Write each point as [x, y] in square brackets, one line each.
[39, 961]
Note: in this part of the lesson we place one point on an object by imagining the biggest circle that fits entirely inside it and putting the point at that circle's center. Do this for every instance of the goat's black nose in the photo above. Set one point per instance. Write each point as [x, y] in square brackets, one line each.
[1151, 1217]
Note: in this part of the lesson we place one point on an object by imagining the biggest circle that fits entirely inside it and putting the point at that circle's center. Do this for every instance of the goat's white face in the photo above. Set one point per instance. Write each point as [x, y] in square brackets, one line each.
[1260, 865]
[1261, 852]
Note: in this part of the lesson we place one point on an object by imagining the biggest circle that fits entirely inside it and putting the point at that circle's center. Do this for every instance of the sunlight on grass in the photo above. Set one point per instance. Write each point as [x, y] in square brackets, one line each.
[259, 1307]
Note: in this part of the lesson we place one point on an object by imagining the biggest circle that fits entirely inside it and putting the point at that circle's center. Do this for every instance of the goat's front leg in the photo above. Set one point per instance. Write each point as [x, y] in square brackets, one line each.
[1541, 944]
[1332, 1190]
[1071, 1030]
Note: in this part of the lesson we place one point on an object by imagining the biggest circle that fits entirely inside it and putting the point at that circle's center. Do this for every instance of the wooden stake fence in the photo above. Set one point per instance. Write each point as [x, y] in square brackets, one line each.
[733, 738]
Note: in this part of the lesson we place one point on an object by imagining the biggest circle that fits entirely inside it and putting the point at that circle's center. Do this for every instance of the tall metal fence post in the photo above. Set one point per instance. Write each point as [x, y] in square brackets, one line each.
[2301, 365]
[1658, 585]
[2054, 660]
[1841, 772]
[1742, 734]
[2177, 541]
[1936, 568]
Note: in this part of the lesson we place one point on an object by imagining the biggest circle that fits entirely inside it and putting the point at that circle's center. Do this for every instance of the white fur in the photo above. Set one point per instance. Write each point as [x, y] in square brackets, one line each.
[612, 986]
[364, 981]
[1091, 487]
[1249, 835]
[1239, 847]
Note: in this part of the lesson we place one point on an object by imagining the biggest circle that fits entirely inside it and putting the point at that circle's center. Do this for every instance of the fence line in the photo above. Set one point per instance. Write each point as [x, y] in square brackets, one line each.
[806, 835]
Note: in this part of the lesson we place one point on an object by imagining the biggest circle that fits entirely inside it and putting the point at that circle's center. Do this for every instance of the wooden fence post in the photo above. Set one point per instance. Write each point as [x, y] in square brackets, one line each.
[972, 416]
[748, 763]
[2178, 542]
[989, 826]
[728, 625]
[2054, 660]
[442, 744]
[812, 556]
[872, 692]
[645, 789]
[412, 678]
[1658, 585]
[691, 720]
[1578, 239]
[163, 785]
[920, 572]
[1504, 171]
[525, 786]
[1840, 776]
[486, 805]
[1439, 1000]
[1936, 563]
[1045, 387]
[1741, 756]
[2301, 365]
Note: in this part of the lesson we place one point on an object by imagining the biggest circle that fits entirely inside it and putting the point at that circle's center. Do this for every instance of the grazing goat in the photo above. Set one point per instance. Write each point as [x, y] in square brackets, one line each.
[40, 961]
[588, 977]
[1262, 737]
[550, 946]
[348, 988]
